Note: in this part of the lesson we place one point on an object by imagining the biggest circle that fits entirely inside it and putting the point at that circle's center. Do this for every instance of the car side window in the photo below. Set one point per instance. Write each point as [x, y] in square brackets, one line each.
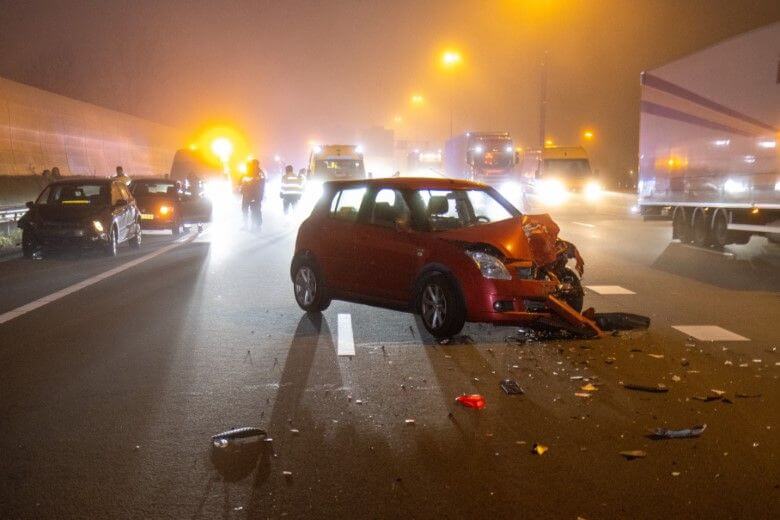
[346, 204]
[388, 208]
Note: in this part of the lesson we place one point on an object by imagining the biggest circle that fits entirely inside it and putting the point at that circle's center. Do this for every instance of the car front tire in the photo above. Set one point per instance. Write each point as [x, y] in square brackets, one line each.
[135, 242]
[309, 288]
[112, 245]
[30, 245]
[441, 306]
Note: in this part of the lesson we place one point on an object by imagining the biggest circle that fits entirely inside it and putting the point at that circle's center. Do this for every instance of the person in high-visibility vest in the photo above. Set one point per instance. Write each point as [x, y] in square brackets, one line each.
[292, 188]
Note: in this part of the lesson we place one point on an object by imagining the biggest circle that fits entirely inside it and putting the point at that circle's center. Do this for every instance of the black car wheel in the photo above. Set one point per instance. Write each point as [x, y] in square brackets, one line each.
[135, 242]
[575, 296]
[113, 242]
[175, 227]
[441, 307]
[30, 245]
[309, 288]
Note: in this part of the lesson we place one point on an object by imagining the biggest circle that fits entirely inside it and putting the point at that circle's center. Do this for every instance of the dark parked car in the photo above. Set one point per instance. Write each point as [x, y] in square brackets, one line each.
[165, 205]
[448, 250]
[81, 212]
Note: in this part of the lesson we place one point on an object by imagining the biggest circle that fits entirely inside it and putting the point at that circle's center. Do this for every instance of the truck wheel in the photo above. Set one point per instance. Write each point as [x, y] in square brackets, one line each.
[681, 227]
[719, 231]
[441, 307]
[701, 228]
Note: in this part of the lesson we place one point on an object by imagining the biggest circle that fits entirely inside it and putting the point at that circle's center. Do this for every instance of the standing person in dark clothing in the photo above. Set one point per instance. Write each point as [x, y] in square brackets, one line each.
[252, 192]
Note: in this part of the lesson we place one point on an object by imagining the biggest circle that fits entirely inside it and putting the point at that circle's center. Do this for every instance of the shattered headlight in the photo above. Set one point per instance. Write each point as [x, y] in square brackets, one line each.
[490, 266]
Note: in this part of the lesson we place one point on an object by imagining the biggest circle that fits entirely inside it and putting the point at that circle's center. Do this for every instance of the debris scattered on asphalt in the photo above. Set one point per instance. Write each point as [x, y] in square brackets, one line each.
[471, 401]
[287, 474]
[684, 362]
[582, 394]
[746, 396]
[633, 454]
[539, 449]
[294, 431]
[660, 388]
[510, 387]
[609, 360]
[621, 321]
[718, 392]
[238, 436]
[686, 433]
[675, 473]
[589, 388]
[676, 378]
[576, 378]
[409, 422]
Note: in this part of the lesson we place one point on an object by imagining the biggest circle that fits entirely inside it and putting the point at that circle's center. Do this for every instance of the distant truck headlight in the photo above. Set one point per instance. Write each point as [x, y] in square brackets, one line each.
[552, 191]
[593, 190]
[490, 266]
[97, 225]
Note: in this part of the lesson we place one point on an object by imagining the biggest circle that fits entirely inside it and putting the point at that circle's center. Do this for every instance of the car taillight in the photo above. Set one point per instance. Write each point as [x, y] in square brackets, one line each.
[165, 210]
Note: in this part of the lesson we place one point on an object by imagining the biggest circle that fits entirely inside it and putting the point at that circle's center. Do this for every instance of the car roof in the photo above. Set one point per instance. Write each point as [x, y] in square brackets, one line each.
[153, 179]
[81, 179]
[409, 183]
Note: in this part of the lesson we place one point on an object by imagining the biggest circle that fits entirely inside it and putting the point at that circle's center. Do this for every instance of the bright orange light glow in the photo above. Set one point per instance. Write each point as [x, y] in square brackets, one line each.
[222, 148]
[417, 99]
[164, 210]
[548, 142]
[588, 134]
[451, 58]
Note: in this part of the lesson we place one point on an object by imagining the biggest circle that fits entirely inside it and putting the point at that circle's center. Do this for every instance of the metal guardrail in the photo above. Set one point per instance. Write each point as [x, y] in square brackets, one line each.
[9, 215]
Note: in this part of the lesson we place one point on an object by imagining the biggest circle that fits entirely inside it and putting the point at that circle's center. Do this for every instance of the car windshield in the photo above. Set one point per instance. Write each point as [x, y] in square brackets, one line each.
[567, 167]
[339, 168]
[139, 189]
[459, 208]
[75, 194]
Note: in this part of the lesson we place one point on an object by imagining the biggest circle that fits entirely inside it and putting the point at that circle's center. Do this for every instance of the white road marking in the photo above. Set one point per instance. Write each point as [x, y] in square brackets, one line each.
[584, 224]
[609, 289]
[53, 297]
[709, 333]
[346, 341]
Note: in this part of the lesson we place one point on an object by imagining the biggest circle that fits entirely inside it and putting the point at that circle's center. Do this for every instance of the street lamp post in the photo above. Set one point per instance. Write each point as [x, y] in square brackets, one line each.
[450, 59]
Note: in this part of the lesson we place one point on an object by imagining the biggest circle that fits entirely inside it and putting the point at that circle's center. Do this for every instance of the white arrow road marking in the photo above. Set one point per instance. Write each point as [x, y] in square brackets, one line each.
[346, 341]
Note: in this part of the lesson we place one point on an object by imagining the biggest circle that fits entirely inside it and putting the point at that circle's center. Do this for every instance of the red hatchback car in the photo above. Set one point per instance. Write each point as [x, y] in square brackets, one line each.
[448, 250]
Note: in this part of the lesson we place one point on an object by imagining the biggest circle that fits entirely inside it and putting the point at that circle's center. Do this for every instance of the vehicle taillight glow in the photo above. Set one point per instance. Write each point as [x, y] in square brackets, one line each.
[165, 210]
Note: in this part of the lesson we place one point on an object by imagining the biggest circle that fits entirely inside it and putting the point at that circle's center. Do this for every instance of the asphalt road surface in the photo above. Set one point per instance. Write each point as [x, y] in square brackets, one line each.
[116, 377]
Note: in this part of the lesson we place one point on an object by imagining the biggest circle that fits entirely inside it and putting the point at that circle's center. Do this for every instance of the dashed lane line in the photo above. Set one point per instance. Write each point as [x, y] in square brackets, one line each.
[709, 333]
[584, 224]
[53, 297]
[346, 340]
[609, 289]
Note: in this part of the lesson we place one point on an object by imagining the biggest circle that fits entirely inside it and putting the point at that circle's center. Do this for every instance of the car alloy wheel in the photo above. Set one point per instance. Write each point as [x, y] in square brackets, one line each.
[434, 306]
[305, 286]
[111, 247]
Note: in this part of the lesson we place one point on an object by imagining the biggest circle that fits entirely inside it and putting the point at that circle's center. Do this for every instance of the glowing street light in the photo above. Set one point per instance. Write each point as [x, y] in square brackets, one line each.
[398, 119]
[548, 143]
[417, 100]
[222, 148]
[588, 135]
[451, 58]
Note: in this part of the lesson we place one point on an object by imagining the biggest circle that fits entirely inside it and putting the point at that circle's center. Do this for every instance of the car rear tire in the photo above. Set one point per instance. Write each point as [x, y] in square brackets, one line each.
[112, 246]
[135, 242]
[441, 306]
[176, 228]
[30, 245]
[309, 288]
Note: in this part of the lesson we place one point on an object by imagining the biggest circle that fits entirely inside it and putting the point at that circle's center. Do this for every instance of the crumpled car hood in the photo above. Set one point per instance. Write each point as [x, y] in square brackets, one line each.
[509, 236]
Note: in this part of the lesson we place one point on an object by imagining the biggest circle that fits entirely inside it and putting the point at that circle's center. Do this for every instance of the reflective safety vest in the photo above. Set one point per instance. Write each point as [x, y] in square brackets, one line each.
[292, 185]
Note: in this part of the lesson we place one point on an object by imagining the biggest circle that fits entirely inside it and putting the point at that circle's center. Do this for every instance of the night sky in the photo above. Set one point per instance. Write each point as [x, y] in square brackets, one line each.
[289, 71]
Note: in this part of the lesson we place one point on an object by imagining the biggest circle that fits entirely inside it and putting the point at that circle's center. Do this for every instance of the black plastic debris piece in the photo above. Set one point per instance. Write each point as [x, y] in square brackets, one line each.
[707, 398]
[510, 387]
[660, 388]
[235, 453]
[686, 433]
[746, 396]
[621, 321]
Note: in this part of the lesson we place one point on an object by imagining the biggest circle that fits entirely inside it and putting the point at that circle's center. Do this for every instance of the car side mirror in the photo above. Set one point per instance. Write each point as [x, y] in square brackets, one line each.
[29, 204]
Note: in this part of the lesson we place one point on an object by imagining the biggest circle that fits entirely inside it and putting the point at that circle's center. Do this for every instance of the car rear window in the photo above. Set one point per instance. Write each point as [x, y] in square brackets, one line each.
[346, 203]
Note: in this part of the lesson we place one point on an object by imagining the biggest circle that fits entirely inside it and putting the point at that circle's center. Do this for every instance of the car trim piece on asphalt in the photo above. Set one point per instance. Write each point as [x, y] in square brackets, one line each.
[53, 297]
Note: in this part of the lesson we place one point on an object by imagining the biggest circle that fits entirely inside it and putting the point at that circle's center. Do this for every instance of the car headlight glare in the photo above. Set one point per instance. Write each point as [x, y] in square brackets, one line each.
[593, 190]
[490, 266]
[97, 225]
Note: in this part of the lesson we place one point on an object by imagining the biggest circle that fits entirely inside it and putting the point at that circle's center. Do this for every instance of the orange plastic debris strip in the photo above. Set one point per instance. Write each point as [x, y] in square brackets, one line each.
[471, 401]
